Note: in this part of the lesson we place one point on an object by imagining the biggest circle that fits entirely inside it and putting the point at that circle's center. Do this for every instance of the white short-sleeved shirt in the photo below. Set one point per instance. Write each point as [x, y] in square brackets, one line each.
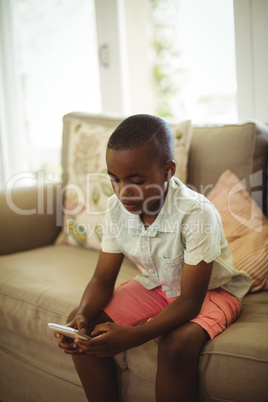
[187, 229]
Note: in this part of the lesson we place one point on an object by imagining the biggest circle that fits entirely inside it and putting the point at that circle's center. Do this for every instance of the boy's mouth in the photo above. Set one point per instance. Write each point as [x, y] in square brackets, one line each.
[131, 206]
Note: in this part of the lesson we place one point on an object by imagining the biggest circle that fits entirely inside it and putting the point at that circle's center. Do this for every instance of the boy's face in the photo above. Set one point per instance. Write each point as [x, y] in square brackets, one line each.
[139, 182]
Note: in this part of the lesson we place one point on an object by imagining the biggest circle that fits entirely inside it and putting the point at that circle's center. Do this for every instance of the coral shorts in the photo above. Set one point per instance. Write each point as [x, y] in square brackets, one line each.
[132, 304]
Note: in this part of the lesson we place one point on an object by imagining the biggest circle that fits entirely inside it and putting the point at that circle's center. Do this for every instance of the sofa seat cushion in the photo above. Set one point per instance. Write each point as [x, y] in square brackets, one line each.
[43, 285]
[240, 352]
[48, 359]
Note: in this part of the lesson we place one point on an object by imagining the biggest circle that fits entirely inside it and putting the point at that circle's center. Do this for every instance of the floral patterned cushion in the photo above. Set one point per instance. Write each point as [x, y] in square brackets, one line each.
[88, 185]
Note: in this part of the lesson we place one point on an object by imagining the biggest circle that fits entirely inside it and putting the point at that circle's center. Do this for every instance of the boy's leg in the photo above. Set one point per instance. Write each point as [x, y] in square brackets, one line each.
[131, 304]
[178, 353]
[178, 356]
[97, 375]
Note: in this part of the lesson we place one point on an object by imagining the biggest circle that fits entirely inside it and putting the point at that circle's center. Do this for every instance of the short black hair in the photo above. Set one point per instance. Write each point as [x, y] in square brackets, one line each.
[140, 129]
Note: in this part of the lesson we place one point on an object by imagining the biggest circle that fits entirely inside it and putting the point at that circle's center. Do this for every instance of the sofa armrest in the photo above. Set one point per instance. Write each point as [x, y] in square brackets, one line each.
[30, 218]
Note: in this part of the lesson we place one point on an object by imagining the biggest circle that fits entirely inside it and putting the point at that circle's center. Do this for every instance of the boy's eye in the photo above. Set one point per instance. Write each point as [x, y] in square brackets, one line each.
[114, 180]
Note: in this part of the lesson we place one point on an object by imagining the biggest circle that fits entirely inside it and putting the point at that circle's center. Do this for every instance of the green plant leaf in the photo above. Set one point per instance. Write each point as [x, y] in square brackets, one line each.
[77, 127]
[95, 195]
[107, 190]
[98, 232]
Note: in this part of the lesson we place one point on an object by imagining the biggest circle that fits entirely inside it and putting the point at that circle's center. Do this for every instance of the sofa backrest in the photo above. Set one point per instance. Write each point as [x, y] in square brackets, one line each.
[242, 148]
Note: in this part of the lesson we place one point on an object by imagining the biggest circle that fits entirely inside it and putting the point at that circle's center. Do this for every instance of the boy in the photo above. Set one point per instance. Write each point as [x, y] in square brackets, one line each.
[187, 292]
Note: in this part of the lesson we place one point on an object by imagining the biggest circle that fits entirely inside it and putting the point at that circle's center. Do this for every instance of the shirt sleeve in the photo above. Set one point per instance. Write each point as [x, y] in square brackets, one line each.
[202, 234]
[109, 243]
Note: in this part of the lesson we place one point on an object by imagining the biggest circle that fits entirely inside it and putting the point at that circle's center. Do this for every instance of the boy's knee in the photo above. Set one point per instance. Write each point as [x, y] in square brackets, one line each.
[172, 346]
[178, 346]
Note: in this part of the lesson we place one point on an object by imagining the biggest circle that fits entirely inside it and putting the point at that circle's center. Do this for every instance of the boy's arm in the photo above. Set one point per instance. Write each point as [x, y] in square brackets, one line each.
[194, 285]
[100, 288]
[115, 338]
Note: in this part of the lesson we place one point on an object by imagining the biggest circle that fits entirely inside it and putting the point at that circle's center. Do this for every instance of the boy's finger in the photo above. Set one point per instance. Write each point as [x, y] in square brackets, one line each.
[101, 329]
[81, 323]
[75, 352]
[66, 343]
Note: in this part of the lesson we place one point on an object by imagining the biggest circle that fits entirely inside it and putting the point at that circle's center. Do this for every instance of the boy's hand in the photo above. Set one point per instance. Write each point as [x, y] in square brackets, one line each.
[108, 340]
[80, 323]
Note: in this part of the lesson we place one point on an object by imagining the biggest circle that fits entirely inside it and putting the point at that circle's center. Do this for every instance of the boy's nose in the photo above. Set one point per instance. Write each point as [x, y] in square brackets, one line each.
[125, 191]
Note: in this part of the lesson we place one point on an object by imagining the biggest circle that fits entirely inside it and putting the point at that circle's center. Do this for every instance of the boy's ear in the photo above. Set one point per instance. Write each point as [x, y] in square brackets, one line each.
[170, 169]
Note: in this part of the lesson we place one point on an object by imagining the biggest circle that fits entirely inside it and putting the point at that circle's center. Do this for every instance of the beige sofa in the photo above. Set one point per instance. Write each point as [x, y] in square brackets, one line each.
[41, 282]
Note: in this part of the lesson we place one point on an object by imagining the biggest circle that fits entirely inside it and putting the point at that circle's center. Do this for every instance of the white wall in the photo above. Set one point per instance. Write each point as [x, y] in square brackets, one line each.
[125, 68]
[251, 32]
[10, 139]
[111, 35]
[139, 58]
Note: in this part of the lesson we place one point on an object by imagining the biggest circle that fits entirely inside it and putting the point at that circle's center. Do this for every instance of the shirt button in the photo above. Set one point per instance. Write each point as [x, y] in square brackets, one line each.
[150, 271]
[144, 247]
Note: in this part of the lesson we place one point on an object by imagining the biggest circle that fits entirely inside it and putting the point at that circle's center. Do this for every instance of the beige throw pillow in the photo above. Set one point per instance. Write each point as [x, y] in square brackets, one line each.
[245, 227]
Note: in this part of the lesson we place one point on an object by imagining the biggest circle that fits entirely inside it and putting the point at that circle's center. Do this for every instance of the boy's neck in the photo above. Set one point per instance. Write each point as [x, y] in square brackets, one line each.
[148, 219]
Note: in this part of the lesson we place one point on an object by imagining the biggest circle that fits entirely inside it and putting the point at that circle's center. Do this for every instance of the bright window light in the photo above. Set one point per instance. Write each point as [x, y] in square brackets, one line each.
[196, 59]
[57, 66]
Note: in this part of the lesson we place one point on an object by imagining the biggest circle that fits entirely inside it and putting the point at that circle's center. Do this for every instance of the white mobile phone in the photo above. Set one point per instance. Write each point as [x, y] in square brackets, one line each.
[68, 331]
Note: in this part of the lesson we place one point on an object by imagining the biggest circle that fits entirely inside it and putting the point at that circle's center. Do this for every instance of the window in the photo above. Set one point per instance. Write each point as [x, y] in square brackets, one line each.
[57, 70]
[194, 66]
[173, 58]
